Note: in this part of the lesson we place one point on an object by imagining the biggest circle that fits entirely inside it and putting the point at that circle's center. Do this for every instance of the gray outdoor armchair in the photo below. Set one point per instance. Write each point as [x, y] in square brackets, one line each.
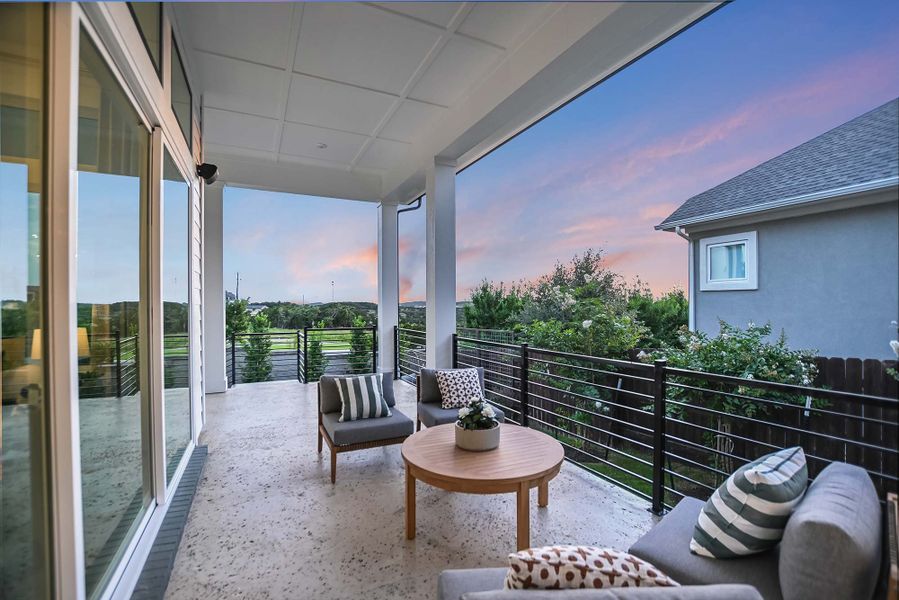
[429, 410]
[363, 433]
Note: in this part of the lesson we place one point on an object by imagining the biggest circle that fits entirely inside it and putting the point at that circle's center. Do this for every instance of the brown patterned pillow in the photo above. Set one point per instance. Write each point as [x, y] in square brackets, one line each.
[572, 567]
[458, 387]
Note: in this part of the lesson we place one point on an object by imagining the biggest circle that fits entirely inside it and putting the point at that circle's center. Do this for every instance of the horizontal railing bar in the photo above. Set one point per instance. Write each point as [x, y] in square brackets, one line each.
[594, 359]
[604, 372]
[599, 385]
[590, 412]
[589, 399]
[600, 430]
[475, 341]
[783, 387]
[826, 436]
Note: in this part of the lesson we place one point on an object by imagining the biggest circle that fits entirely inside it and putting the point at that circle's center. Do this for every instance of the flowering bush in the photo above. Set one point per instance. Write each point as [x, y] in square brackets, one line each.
[477, 415]
[745, 353]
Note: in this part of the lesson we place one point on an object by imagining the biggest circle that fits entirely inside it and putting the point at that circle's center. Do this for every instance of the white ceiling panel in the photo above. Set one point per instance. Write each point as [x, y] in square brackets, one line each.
[460, 64]
[361, 45]
[500, 22]
[249, 131]
[239, 86]
[304, 140]
[411, 119]
[255, 32]
[438, 13]
[320, 102]
[382, 154]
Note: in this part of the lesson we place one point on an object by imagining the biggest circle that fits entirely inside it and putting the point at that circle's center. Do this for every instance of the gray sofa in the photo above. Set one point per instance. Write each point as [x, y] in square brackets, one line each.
[361, 434]
[831, 549]
[430, 412]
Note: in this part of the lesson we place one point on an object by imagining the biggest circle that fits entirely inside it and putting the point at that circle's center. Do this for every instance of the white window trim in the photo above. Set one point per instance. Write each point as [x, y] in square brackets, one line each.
[750, 282]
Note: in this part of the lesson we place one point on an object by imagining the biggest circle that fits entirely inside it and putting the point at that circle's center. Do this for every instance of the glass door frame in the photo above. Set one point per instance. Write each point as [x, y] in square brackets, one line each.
[112, 30]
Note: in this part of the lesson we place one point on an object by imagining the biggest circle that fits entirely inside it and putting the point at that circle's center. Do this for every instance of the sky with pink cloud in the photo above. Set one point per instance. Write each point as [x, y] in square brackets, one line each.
[751, 81]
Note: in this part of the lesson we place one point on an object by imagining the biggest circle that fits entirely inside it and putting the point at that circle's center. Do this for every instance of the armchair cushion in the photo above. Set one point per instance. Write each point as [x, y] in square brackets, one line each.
[367, 430]
[330, 395]
[667, 546]
[431, 414]
[428, 390]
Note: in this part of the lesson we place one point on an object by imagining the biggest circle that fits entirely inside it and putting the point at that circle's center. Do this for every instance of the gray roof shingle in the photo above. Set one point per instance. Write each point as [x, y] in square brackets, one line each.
[859, 151]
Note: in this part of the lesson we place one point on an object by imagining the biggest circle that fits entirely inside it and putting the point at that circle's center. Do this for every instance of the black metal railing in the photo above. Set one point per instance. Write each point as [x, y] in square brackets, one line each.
[410, 352]
[304, 354]
[664, 433]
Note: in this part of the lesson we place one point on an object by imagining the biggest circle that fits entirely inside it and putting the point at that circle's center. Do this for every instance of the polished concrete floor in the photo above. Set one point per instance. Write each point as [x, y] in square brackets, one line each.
[267, 523]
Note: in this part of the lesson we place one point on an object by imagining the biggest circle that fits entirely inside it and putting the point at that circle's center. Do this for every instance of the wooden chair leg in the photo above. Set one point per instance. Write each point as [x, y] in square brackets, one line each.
[319, 441]
[417, 424]
[333, 466]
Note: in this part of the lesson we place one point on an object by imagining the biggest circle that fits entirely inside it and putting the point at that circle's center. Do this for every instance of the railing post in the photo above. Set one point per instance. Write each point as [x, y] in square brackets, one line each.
[396, 351]
[374, 349]
[118, 364]
[306, 354]
[659, 438]
[233, 359]
[523, 376]
[455, 350]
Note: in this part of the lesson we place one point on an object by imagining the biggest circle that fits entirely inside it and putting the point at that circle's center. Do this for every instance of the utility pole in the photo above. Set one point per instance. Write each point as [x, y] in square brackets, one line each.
[332, 290]
[237, 287]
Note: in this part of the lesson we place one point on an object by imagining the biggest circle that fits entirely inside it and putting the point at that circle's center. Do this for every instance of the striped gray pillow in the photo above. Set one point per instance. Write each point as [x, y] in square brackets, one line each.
[362, 398]
[749, 512]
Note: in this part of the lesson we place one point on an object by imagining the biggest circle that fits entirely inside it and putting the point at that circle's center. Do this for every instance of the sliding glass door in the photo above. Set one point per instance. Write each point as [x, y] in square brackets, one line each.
[112, 187]
[24, 556]
[175, 313]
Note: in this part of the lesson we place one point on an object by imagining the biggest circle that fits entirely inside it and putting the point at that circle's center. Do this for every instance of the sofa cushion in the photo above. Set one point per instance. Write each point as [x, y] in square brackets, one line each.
[453, 583]
[748, 512]
[330, 396]
[693, 592]
[428, 391]
[367, 430]
[431, 414]
[573, 567]
[362, 397]
[667, 546]
[832, 544]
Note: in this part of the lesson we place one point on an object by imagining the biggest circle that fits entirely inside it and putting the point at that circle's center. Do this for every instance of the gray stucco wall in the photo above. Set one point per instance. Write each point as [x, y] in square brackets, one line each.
[830, 280]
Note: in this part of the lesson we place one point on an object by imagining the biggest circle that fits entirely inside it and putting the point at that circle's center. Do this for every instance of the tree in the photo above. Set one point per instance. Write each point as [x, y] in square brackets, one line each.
[664, 316]
[316, 360]
[492, 307]
[257, 350]
[237, 317]
[361, 341]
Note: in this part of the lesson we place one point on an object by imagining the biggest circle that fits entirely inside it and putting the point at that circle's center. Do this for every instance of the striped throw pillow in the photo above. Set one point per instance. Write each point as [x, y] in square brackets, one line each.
[362, 398]
[749, 512]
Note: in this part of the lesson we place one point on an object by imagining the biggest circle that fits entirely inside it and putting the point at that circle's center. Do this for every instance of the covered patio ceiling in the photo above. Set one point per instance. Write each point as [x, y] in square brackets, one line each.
[353, 100]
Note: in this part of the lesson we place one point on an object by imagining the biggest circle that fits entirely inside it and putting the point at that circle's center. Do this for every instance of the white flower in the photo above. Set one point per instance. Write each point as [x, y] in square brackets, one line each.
[586, 324]
[463, 412]
[641, 355]
[487, 411]
[895, 346]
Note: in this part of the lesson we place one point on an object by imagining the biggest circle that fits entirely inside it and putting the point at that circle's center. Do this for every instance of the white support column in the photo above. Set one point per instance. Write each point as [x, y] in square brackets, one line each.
[441, 262]
[388, 285]
[213, 291]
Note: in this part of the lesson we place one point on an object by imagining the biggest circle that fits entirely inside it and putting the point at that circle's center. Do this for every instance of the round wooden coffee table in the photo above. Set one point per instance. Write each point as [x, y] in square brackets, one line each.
[524, 459]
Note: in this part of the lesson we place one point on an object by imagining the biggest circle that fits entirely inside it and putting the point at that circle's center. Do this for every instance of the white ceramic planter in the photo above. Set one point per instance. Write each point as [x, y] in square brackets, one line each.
[477, 440]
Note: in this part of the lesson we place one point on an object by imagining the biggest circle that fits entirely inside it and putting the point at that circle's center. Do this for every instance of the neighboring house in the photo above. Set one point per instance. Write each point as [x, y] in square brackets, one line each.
[808, 241]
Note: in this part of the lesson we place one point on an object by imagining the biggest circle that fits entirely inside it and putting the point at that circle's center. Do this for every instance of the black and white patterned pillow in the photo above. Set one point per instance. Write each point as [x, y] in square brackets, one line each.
[458, 387]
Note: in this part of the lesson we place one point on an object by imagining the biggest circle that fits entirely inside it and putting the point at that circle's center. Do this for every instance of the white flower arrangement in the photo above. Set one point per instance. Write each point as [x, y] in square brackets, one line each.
[477, 415]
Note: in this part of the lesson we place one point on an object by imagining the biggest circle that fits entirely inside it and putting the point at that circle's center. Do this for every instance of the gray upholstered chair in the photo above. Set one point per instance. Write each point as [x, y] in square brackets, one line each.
[430, 412]
[361, 434]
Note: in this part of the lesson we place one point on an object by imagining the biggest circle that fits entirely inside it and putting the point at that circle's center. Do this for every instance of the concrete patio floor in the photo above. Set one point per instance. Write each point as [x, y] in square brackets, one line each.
[267, 523]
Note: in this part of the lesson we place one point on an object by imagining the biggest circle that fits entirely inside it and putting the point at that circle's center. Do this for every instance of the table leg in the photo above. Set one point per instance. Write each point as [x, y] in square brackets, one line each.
[523, 539]
[410, 505]
[543, 494]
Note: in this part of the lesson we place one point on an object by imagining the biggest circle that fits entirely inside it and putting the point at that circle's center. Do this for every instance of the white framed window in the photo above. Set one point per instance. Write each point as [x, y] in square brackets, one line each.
[729, 262]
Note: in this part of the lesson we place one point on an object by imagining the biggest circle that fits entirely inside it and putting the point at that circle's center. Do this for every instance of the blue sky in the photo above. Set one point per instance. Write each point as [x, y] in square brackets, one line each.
[751, 81]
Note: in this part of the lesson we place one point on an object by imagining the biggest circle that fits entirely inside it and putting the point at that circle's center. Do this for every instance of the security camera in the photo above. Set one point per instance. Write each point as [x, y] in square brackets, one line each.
[208, 172]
